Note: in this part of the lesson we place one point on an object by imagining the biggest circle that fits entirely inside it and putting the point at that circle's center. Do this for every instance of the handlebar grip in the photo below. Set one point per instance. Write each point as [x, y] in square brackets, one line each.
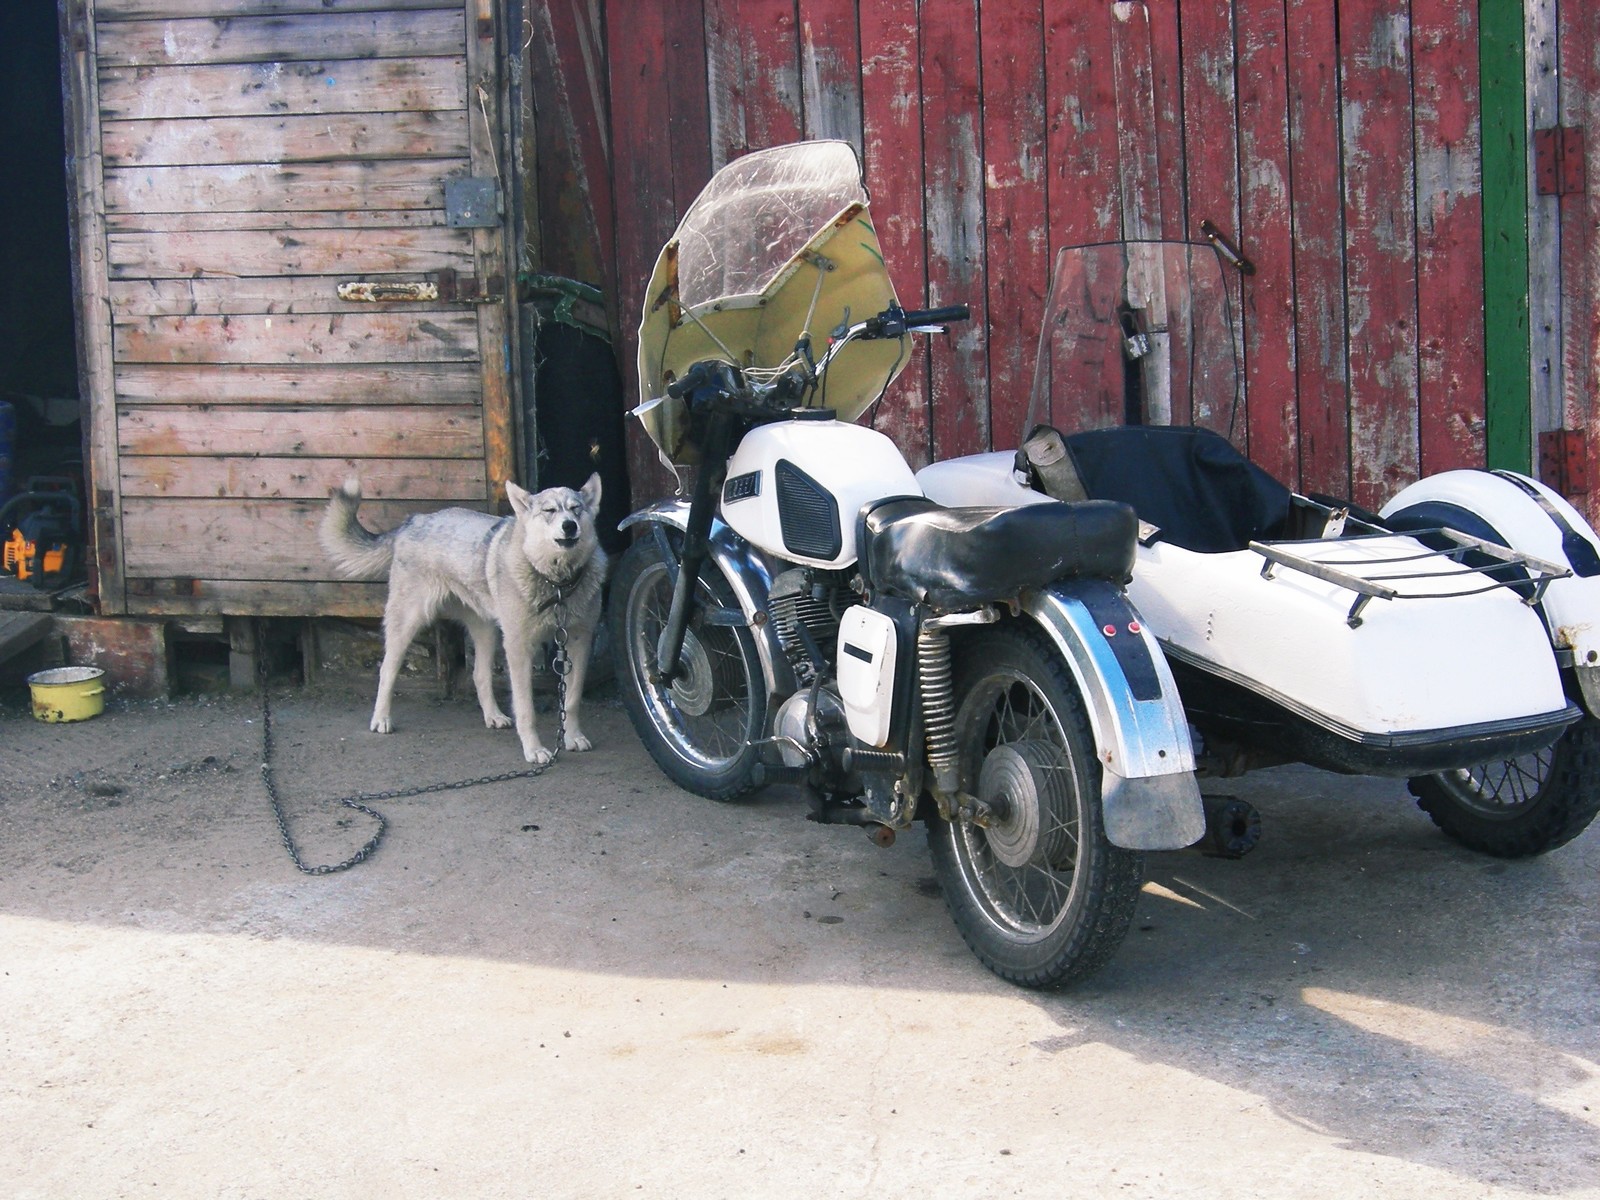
[937, 316]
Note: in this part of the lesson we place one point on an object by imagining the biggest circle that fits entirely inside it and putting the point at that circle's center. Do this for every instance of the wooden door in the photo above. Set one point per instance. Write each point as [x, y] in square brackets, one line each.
[247, 172]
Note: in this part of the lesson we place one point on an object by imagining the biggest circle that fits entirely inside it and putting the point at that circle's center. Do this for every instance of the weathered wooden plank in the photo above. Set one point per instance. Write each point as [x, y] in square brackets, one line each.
[953, 196]
[310, 37]
[247, 385]
[370, 223]
[1081, 136]
[495, 343]
[377, 432]
[1267, 236]
[1139, 164]
[282, 88]
[300, 252]
[1017, 266]
[357, 337]
[301, 478]
[1380, 234]
[1545, 318]
[753, 73]
[1211, 128]
[96, 371]
[238, 539]
[1317, 207]
[388, 186]
[134, 298]
[830, 70]
[1449, 206]
[285, 139]
[136, 10]
[1503, 103]
[1166, 103]
[891, 103]
[645, 65]
[175, 597]
[1579, 36]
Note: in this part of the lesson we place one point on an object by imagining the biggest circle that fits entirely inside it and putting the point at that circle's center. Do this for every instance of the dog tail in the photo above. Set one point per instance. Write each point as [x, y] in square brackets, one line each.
[356, 552]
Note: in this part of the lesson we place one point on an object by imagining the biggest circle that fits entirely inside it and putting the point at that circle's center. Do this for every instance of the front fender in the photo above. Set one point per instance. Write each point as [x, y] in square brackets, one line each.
[1149, 797]
[749, 574]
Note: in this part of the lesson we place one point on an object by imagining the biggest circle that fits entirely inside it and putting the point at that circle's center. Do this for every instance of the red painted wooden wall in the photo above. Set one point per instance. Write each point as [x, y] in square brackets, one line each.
[1336, 143]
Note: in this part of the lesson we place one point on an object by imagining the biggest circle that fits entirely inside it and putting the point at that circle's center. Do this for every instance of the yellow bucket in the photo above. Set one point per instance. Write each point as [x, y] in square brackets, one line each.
[68, 693]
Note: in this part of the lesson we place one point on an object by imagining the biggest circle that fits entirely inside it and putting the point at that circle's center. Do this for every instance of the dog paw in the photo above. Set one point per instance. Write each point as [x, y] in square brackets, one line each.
[382, 725]
[538, 755]
[576, 741]
[497, 721]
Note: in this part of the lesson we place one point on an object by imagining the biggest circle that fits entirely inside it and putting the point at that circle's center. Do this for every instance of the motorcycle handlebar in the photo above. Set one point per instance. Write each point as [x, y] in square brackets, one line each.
[937, 316]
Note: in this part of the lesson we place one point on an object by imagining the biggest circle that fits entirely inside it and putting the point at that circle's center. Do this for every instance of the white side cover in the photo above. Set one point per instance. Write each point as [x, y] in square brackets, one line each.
[867, 654]
[1571, 605]
[854, 464]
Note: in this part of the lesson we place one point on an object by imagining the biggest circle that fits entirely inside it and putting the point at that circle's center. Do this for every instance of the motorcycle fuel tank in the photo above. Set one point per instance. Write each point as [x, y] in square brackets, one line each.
[794, 488]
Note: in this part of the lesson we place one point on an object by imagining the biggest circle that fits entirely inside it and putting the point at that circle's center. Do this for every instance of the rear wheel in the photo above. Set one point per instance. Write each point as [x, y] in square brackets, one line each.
[1040, 895]
[700, 727]
[1518, 807]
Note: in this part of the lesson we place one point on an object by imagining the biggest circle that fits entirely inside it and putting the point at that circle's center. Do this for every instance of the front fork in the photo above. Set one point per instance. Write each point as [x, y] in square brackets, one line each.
[721, 431]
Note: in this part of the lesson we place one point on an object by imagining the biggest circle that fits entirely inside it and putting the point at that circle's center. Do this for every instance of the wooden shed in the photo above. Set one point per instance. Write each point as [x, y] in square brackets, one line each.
[259, 181]
[292, 231]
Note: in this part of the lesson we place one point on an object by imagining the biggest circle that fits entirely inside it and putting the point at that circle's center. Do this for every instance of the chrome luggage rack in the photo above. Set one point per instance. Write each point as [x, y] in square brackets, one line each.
[1368, 588]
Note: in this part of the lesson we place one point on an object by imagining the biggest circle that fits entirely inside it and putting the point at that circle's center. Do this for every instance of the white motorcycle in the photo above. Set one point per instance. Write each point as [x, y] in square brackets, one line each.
[809, 615]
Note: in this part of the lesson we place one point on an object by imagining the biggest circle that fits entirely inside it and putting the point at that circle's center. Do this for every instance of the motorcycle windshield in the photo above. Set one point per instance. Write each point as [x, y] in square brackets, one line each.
[777, 245]
[1136, 333]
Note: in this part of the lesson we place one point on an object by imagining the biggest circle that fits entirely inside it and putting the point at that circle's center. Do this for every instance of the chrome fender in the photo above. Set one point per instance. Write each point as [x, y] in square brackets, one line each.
[1525, 515]
[749, 574]
[1149, 797]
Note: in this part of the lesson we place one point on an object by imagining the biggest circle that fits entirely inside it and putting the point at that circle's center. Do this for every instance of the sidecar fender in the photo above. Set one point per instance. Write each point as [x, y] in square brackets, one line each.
[1525, 515]
[1149, 797]
[749, 574]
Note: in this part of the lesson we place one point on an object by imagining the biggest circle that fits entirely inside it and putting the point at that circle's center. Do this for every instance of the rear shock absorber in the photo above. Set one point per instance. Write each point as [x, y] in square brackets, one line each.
[939, 700]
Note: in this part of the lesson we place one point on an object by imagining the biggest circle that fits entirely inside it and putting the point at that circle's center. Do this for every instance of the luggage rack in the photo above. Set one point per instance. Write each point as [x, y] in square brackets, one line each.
[1368, 589]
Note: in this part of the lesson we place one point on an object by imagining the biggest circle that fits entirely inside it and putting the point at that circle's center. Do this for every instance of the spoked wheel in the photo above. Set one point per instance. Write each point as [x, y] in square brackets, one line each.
[699, 728]
[1040, 895]
[1518, 807]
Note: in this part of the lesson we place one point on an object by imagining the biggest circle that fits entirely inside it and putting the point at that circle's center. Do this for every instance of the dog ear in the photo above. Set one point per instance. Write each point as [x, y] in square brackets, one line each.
[591, 493]
[519, 498]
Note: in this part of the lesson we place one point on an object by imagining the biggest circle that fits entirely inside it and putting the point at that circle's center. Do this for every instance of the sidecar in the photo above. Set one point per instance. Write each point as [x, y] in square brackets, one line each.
[1452, 639]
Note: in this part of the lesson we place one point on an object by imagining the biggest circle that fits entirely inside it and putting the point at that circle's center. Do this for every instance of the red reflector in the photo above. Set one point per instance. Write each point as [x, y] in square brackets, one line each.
[1134, 627]
[1110, 631]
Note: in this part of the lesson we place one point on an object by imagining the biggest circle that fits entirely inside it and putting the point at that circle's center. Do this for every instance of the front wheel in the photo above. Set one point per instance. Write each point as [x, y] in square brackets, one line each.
[700, 728]
[1040, 895]
[1519, 807]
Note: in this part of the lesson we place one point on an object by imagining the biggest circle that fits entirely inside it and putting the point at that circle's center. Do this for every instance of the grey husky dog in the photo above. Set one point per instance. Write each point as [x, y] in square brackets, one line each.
[526, 575]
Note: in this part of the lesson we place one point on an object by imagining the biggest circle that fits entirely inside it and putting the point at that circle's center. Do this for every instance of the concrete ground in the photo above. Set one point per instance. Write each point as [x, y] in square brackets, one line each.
[591, 984]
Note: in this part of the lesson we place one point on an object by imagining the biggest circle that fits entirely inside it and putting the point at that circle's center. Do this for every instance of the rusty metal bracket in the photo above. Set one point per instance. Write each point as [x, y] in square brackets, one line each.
[469, 289]
[1225, 247]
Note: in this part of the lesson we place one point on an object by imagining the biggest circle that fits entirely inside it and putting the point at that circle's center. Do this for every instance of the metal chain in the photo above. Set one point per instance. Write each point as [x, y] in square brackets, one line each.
[361, 801]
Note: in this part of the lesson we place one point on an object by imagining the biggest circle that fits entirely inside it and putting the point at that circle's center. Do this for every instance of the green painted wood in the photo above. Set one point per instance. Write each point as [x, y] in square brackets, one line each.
[1508, 369]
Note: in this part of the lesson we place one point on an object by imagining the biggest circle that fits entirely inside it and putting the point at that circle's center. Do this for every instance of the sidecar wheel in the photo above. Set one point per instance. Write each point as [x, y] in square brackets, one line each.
[1523, 806]
[1040, 895]
[700, 728]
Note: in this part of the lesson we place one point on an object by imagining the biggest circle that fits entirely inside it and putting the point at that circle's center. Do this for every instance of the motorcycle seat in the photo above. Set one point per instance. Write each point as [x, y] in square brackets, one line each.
[949, 558]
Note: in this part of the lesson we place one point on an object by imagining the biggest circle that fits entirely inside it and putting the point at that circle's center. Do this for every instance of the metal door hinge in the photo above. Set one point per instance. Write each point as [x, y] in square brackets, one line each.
[469, 289]
[1564, 461]
[1558, 160]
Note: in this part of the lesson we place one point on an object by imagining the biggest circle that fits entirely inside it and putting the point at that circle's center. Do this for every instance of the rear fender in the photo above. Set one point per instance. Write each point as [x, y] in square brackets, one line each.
[749, 574]
[1148, 793]
[1525, 515]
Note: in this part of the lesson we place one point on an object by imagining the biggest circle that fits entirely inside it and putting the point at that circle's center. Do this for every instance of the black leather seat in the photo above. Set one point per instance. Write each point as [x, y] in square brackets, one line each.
[949, 558]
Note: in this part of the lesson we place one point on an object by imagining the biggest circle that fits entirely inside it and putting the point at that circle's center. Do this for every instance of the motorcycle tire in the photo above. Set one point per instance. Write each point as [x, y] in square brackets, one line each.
[700, 728]
[1040, 895]
[1520, 807]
